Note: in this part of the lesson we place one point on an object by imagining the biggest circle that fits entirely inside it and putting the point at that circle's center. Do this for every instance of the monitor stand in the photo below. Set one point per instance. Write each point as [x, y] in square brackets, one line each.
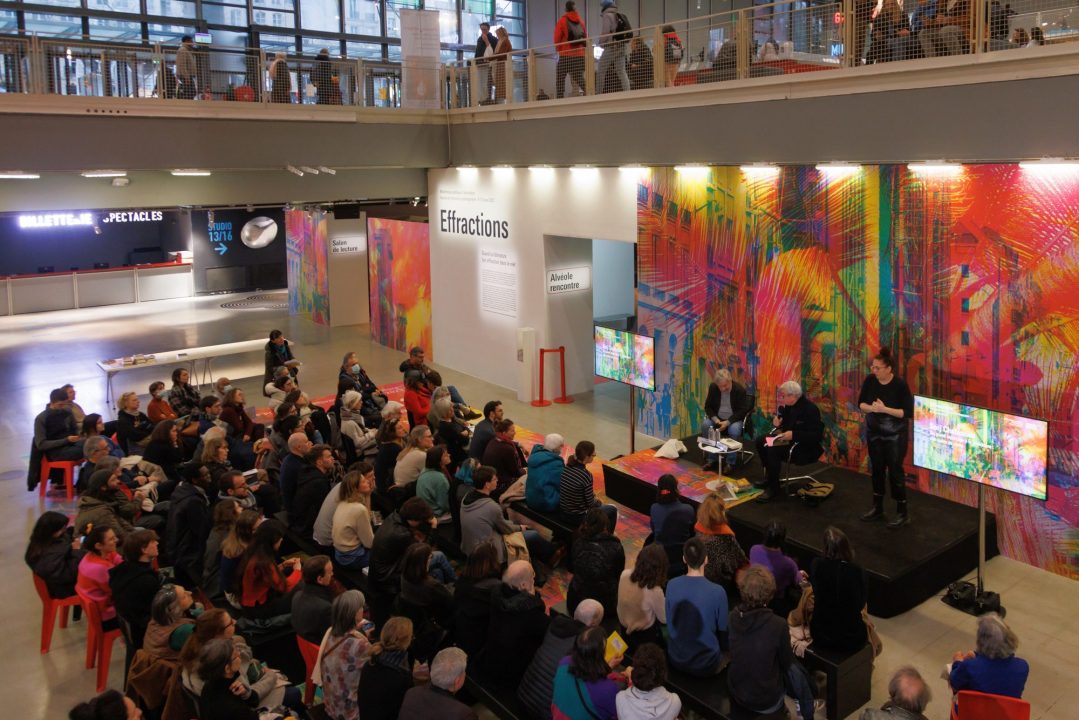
[974, 599]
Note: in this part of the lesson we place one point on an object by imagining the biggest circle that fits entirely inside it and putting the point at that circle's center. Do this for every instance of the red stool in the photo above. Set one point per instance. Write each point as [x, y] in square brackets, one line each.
[68, 467]
[309, 651]
[98, 641]
[50, 606]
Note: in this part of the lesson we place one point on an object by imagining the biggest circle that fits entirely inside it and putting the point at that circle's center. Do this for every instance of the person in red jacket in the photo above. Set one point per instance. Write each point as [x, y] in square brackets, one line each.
[417, 397]
[569, 36]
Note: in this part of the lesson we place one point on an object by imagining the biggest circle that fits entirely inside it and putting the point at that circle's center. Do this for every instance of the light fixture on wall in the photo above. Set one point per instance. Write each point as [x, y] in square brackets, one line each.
[1050, 166]
[760, 170]
[190, 172]
[104, 173]
[327, 170]
[17, 175]
[309, 169]
[692, 172]
[294, 170]
[838, 169]
[935, 168]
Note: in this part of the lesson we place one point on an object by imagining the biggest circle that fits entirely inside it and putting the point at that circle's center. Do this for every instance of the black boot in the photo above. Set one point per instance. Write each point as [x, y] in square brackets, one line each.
[902, 517]
[877, 511]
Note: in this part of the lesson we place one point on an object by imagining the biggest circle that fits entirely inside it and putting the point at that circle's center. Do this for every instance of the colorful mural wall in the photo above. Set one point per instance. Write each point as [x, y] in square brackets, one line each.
[307, 255]
[399, 257]
[969, 275]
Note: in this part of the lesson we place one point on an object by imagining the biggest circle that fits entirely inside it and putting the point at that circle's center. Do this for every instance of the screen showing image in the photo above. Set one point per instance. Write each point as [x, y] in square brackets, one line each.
[626, 357]
[993, 448]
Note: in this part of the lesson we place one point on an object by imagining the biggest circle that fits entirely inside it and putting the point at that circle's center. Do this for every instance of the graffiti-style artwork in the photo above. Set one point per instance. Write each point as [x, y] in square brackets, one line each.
[307, 255]
[802, 274]
[400, 269]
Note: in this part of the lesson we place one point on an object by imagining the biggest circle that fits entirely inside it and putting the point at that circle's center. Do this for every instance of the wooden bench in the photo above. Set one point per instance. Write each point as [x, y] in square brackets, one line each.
[502, 702]
[556, 522]
[850, 677]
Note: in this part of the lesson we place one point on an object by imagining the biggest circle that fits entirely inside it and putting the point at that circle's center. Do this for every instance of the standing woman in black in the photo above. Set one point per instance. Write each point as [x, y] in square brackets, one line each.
[840, 592]
[888, 405]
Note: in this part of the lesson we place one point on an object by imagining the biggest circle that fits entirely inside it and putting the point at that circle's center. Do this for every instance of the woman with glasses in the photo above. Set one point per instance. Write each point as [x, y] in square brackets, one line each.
[888, 404]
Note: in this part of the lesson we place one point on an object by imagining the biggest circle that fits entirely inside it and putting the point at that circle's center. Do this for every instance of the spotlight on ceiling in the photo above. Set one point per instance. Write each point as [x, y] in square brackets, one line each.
[294, 170]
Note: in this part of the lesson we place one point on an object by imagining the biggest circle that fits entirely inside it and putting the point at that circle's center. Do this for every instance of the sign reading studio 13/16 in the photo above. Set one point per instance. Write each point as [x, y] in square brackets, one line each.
[566, 280]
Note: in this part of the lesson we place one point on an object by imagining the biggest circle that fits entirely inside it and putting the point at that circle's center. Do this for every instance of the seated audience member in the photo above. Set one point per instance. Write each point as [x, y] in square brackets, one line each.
[726, 405]
[642, 607]
[208, 415]
[597, 560]
[158, 408]
[96, 449]
[483, 520]
[93, 425]
[224, 517]
[233, 547]
[946, 31]
[189, 525]
[518, 624]
[352, 371]
[291, 466]
[908, 696]
[840, 593]
[352, 532]
[279, 354]
[392, 410]
[411, 524]
[312, 599]
[696, 617]
[545, 466]
[413, 457]
[391, 442]
[796, 422]
[460, 407]
[585, 685]
[235, 416]
[537, 686]
[56, 434]
[221, 386]
[92, 580]
[109, 705]
[798, 621]
[387, 674]
[311, 489]
[992, 667]
[484, 432]
[451, 432]
[165, 450]
[762, 667]
[170, 626]
[437, 393]
[233, 486]
[279, 388]
[725, 555]
[505, 455]
[417, 397]
[415, 361]
[671, 520]
[352, 422]
[341, 656]
[424, 600]
[105, 505]
[54, 554]
[472, 595]
[219, 670]
[73, 406]
[269, 686]
[215, 457]
[436, 700]
[265, 584]
[183, 397]
[433, 484]
[783, 568]
[576, 495]
[646, 698]
[134, 583]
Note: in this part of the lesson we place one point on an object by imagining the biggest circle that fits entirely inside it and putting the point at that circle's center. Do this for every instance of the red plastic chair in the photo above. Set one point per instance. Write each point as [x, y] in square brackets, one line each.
[98, 642]
[309, 651]
[50, 606]
[68, 467]
[971, 705]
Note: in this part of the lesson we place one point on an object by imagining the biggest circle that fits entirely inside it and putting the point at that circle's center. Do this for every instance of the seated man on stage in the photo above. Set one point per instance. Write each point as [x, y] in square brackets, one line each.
[725, 407]
[797, 421]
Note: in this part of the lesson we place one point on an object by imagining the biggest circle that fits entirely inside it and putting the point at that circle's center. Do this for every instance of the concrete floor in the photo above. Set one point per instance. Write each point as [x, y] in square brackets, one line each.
[40, 352]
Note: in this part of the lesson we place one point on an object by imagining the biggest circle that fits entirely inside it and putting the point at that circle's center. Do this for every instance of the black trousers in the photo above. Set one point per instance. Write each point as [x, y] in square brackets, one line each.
[772, 458]
[572, 66]
[886, 457]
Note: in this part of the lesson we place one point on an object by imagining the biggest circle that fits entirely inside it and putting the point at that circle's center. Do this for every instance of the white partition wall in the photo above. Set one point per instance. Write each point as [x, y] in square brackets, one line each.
[488, 259]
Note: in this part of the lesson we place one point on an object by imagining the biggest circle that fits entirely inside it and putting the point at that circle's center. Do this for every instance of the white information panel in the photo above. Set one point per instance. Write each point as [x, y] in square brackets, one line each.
[498, 281]
[420, 59]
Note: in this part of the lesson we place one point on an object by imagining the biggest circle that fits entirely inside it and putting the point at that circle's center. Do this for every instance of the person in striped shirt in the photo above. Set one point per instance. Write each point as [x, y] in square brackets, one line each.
[576, 495]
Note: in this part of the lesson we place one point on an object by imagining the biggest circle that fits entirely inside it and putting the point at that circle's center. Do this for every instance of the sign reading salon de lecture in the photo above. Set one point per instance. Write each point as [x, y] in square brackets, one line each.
[566, 280]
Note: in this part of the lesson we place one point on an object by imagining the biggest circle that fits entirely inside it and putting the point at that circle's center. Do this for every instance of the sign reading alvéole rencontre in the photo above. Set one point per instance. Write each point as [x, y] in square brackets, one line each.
[564, 280]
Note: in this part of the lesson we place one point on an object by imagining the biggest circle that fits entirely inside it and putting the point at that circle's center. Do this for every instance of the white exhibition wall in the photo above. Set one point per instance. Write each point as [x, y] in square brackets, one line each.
[489, 258]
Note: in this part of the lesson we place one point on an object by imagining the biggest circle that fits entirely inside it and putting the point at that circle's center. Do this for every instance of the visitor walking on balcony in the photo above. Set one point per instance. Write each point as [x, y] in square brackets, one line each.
[186, 69]
[615, 36]
[281, 83]
[570, 41]
[485, 50]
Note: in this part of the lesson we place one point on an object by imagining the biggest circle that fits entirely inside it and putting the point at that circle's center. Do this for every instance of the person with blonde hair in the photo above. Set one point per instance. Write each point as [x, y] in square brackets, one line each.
[387, 676]
[725, 555]
[413, 456]
[133, 427]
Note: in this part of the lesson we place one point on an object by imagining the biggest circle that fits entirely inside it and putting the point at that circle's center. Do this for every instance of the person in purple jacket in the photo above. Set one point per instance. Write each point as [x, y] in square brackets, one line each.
[770, 555]
[584, 684]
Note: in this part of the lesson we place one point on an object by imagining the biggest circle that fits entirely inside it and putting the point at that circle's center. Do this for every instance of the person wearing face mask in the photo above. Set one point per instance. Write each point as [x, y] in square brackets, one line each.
[352, 371]
[159, 408]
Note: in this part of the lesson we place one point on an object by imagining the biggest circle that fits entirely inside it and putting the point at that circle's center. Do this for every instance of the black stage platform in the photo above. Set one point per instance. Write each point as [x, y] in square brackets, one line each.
[905, 567]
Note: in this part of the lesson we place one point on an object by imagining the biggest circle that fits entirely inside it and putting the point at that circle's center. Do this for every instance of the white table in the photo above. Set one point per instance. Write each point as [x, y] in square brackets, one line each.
[188, 356]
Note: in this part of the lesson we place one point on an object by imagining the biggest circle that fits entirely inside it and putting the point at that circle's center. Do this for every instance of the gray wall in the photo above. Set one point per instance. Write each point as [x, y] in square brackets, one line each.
[612, 278]
[569, 319]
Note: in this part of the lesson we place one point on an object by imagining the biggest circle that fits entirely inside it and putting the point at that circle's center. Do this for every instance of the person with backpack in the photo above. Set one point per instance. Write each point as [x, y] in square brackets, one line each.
[616, 32]
[673, 52]
[569, 37]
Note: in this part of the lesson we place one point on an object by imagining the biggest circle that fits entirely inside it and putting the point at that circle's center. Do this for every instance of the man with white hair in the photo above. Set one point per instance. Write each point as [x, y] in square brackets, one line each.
[437, 699]
[796, 433]
[537, 686]
[726, 405]
[545, 465]
[518, 612]
[908, 696]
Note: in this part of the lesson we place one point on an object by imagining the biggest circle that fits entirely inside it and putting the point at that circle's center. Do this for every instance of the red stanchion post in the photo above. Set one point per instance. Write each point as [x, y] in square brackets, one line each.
[541, 402]
[563, 399]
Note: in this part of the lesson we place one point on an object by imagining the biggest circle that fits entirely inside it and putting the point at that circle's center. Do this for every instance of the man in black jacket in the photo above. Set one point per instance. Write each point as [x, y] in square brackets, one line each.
[55, 431]
[486, 40]
[517, 626]
[311, 489]
[313, 598]
[537, 686]
[726, 405]
[134, 582]
[189, 525]
[797, 422]
[394, 536]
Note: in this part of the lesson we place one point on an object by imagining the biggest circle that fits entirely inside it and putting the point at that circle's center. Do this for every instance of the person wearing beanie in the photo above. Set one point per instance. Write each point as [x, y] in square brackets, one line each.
[104, 504]
[570, 37]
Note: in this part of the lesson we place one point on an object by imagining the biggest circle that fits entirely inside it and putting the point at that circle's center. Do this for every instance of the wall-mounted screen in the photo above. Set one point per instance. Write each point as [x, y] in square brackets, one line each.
[626, 357]
[989, 447]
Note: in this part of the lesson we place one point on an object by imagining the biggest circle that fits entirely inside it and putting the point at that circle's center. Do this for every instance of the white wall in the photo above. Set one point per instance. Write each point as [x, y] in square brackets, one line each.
[596, 203]
[569, 319]
[612, 279]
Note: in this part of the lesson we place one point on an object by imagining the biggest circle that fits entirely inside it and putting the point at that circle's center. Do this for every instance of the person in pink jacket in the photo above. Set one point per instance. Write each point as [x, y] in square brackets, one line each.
[93, 578]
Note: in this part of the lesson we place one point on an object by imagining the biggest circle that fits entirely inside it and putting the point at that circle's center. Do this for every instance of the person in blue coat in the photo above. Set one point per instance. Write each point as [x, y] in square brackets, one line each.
[544, 473]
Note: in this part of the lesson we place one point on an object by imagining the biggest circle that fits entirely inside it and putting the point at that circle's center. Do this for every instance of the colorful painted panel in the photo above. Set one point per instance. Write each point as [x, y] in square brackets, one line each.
[399, 257]
[801, 274]
[308, 277]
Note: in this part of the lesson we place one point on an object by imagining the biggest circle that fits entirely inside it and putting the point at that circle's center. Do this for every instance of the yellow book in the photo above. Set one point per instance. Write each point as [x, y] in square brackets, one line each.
[616, 647]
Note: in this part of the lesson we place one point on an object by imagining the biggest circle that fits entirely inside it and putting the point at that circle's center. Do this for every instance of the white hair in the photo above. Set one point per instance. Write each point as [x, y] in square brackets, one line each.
[350, 398]
[995, 639]
[92, 444]
[722, 375]
[214, 432]
[448, 667]
[791, 388]
[589, 613]
[392, 408]
[520, 576]
[554, 442]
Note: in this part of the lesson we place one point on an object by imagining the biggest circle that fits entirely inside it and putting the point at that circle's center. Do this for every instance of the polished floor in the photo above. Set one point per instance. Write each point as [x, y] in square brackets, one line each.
[40, 352]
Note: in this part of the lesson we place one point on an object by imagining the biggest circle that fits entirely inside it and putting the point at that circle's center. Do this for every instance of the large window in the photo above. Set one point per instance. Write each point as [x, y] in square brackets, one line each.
[322, 15]
[125, 6]
[176, 9]
[111, 30]
[363, 17]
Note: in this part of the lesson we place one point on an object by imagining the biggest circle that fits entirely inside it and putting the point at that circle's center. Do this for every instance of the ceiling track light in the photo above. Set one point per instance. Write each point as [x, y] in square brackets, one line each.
[935, 168]
[328, 171]
[190, 172]
[17, 175]
[104, 173]
[309, 169]
[294, 170]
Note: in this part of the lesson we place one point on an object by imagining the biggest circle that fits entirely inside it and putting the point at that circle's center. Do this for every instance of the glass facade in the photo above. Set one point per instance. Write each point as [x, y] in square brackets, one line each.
[370, 29]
